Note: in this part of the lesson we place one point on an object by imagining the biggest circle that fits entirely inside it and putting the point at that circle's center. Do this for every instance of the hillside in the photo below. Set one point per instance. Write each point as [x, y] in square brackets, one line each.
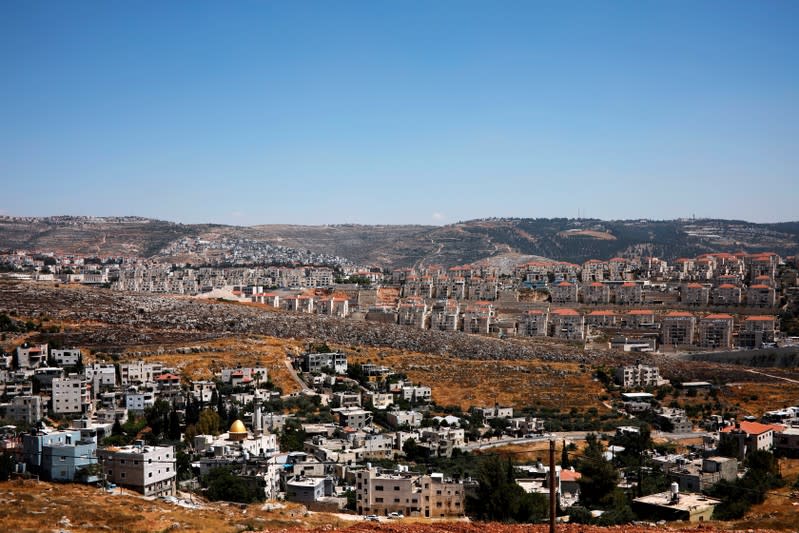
[406, 245]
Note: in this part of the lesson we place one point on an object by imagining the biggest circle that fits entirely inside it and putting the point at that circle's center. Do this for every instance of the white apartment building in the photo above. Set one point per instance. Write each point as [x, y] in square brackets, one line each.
[70, 395]
[149, 470]
[139, 372]
[66, 357]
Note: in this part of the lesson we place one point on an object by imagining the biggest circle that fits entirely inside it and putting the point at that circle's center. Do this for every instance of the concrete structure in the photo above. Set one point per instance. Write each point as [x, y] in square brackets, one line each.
[760, 295]
[430, 496]
[58, 455]
[315, 362]
[757, 330]
[534, 323]
[27, 409]
[639, 375]
[595, 293]
[677, 329]
[745, 437]
[628, 293]
[70, 395]
[564, 292]
[148, 470]
[715, 331]
[66, 357]
[726, 294]
[566, 324]
[688, 507]
[695, 294]
[139, 372]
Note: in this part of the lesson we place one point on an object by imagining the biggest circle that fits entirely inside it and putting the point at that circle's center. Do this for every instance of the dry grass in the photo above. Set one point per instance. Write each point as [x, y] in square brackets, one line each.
[39, 506]
[468, 383]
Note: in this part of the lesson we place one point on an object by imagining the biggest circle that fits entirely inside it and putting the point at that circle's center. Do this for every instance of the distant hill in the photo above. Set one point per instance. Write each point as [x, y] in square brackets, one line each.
[406, 245]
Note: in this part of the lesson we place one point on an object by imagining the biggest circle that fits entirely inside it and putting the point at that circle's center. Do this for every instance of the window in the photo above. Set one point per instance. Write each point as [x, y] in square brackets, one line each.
[122, 475]
[379, 487]
[378, 500]
[150, 474]
[396, 487]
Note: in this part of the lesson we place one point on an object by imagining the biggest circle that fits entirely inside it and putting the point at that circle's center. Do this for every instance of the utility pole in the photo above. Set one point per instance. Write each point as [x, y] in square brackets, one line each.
[552, 506]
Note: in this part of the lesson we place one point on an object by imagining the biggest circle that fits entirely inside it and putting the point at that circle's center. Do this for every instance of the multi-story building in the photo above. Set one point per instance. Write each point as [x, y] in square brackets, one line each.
[139, 372]
[564, 292]
[594, 270]
[726, 294]
[66, 357]
[595, 293]
[760, 295]
[31, 356]
[695, 294]
[58, 455]
[757, 330]
[149, 470]
[70, 395]
[601, 318]
[639, 319]
[566, 324]
[534, 323]
[314, 362]
[430, 496]
[628, 293]
[478, 317]
[715, 331]
[100, 375]
[677, 329]
[27, 409]
[639, 375]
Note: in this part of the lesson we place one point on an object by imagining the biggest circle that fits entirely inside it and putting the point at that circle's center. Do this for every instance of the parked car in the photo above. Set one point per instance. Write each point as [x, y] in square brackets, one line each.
[396, 515]
[371, 518]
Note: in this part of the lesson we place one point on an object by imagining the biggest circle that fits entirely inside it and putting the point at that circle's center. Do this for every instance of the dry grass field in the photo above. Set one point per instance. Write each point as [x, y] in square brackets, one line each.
[38, 506]
[468, 383]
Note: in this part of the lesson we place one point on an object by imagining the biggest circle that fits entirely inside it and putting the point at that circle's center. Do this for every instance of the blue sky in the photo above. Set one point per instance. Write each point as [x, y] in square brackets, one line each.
[399, 112]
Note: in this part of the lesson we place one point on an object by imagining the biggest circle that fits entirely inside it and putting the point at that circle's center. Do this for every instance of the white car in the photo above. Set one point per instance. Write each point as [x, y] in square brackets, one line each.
[396, 515]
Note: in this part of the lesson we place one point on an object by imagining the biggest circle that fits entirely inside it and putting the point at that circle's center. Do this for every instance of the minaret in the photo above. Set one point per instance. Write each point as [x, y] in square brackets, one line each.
[257, 417]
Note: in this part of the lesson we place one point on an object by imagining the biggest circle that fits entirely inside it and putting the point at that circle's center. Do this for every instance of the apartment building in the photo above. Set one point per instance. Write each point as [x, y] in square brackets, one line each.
[628, 293]
[695, 294]
[430, 496]
[639, 319]
[315, 362]
[639, 375]
[70, 395]
[726, 294]
[596, 293]
[715, 331]
[760, 295]
[139, 372]
[757, 330]
[564, 292]
[534, 323]
[594, 270]
[602, 318]
[149, 470]
[677, 329]
[31, 356]
[567, 324]
[66, 357]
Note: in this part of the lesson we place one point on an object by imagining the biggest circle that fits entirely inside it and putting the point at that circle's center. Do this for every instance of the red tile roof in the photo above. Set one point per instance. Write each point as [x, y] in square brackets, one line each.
[754, 428]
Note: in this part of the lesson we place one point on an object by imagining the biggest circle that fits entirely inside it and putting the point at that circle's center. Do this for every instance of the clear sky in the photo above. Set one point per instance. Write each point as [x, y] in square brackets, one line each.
[399, 111]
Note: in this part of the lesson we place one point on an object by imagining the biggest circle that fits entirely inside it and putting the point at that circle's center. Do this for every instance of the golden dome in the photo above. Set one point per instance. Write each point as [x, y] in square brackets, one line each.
[237, 428]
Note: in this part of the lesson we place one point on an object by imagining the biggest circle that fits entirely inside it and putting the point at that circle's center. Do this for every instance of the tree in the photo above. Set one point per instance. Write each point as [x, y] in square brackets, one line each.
[599, 478]
[500, 498]
[224, 485]
[208, 423]
[292, 437]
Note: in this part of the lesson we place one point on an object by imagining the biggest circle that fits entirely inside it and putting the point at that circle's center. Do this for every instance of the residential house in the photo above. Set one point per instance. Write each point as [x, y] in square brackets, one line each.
[695, 294]
[148, 470]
